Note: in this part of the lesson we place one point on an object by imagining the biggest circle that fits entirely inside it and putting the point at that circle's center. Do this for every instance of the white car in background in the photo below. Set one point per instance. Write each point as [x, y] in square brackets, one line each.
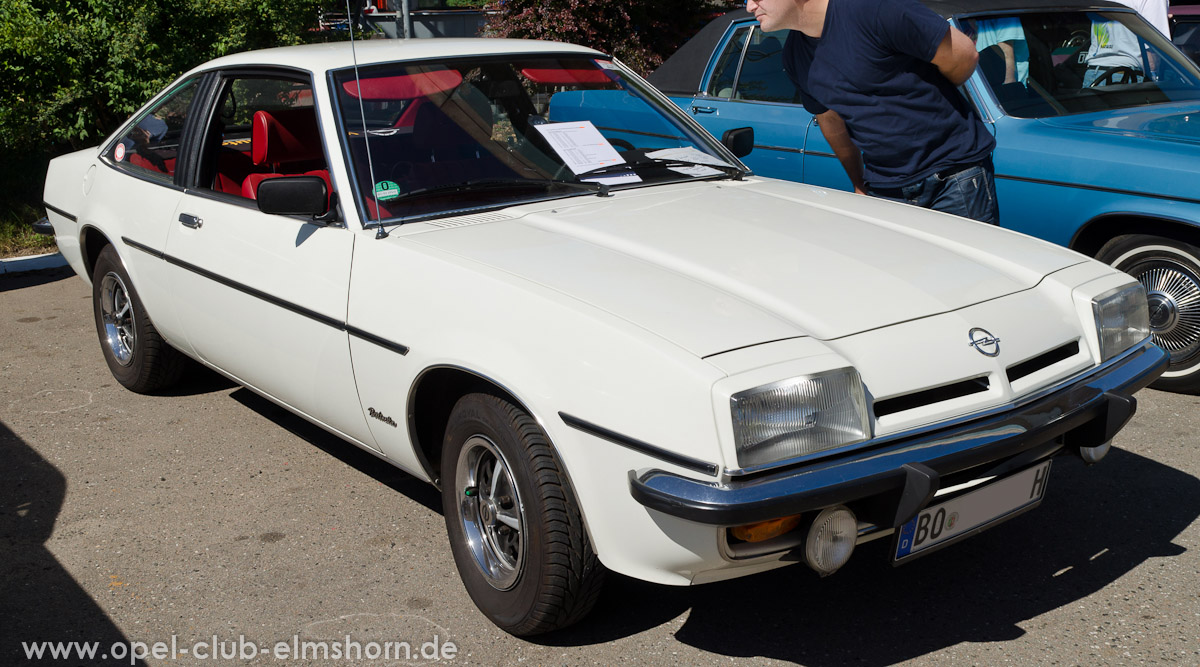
[516, 271]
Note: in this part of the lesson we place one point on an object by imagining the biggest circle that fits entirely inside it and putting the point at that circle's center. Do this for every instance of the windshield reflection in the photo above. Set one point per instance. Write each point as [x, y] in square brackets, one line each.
[428, 139]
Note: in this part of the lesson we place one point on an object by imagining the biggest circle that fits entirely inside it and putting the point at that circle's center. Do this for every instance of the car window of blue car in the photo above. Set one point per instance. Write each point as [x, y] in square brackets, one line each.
[1048, 64]
[725, 71]
[1185, 32]
[762, 77]
[750, 68]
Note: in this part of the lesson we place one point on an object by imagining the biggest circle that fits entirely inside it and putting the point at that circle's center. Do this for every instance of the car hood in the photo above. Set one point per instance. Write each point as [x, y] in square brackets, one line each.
[719, 266]
[1176, 123]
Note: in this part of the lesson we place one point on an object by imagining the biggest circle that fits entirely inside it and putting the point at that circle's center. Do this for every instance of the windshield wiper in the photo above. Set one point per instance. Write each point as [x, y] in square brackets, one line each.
[600, 189]
[643, 161]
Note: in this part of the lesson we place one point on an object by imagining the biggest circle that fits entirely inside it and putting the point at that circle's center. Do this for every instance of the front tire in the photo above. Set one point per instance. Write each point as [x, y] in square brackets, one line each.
[136, 354]
[515, 529]
[1170, 271]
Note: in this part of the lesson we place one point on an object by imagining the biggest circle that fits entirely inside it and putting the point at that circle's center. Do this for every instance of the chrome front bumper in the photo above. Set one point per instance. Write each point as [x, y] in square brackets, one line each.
[887, 483]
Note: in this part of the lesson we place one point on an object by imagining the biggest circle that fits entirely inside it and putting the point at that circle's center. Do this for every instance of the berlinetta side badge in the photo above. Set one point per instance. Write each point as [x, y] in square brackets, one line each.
[382, 417]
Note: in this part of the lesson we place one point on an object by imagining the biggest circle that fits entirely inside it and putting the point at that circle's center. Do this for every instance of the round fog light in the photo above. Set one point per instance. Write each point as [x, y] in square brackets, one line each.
[831, 540]
[1094, 454]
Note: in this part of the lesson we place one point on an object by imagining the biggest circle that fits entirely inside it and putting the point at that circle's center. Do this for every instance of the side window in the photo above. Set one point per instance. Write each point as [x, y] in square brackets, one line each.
[763, 78]
[264, 127]
[725, 72]
[152, 145]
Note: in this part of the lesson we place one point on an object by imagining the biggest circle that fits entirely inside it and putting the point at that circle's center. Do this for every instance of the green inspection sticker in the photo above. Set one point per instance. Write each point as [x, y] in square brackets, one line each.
[386, 190]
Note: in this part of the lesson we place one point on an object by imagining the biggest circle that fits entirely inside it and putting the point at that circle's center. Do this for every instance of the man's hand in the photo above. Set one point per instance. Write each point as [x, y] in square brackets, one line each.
[956, 57]
[834, 129]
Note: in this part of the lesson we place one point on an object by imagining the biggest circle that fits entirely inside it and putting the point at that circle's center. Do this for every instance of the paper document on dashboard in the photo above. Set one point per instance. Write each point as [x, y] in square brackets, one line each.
[580, 145]
[688, 154]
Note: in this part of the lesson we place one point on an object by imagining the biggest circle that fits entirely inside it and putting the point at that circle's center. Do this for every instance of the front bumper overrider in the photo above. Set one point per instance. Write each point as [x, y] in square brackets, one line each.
[889, 480]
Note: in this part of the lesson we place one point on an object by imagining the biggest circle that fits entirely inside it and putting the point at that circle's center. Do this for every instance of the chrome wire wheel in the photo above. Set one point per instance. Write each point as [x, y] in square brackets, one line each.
[118, 318]
[1173, 294]
[491, 512]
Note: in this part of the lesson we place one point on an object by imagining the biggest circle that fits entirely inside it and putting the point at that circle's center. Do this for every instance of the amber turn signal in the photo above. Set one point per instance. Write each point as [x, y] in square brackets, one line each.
[765, 530]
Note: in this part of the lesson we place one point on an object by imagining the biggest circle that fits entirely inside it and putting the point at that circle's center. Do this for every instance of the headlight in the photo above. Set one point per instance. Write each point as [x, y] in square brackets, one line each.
[800, 416]
[1122, 319]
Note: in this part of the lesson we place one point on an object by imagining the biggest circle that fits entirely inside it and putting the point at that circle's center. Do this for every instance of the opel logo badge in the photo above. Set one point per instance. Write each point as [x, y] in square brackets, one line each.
[982, 340]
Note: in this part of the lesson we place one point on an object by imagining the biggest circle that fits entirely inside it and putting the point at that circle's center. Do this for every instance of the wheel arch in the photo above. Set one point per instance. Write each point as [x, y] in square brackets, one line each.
[431, 400]
[1098, 231]
[91, 242]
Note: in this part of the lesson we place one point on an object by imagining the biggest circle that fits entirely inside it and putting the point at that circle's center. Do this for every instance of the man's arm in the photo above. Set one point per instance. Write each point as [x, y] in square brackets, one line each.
[956, 57]
[1010, 62]
[834, 129]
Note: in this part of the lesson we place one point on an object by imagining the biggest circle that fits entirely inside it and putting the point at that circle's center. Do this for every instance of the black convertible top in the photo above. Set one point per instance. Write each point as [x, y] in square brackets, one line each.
[681, 73]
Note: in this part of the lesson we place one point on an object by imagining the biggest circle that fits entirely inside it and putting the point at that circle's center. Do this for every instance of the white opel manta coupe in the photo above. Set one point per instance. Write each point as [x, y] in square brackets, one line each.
[515, 270]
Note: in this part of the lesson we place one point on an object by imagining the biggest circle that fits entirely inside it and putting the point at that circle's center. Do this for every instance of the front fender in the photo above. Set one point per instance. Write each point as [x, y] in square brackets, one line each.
[556, 356]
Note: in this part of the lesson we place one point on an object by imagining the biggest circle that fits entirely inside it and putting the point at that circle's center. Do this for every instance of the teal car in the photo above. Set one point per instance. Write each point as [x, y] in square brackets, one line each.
[1101, 155]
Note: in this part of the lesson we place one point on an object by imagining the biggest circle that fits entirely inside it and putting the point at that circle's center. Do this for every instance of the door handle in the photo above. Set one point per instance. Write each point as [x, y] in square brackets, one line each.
[190, 221]
[699, 110]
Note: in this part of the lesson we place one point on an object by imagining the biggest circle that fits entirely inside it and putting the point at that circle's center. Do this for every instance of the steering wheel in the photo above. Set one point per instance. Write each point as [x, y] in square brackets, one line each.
[1078, 39]
[621, 143]
[1127, 75]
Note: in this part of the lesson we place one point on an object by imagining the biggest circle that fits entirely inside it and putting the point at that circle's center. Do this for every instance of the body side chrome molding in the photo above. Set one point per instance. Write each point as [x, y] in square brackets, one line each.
[1097, 188]
[144, 248]
[340, 325]
[639, 446]
[61, 212]
[372, 338]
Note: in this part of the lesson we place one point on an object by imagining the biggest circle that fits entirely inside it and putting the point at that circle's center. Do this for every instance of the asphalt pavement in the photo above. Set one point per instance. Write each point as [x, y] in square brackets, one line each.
[208, 512]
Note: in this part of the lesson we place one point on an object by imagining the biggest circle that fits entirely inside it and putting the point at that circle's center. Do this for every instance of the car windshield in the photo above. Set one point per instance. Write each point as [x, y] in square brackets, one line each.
[435, 138]
[1059, 63]
[1185, 30]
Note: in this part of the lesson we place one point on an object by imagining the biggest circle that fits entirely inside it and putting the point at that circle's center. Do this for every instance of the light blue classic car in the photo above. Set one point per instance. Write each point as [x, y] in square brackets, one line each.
[1108, 167]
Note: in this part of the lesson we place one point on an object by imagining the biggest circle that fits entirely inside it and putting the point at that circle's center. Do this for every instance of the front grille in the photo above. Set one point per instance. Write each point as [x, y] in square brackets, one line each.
[1044, 360]
[930, 396]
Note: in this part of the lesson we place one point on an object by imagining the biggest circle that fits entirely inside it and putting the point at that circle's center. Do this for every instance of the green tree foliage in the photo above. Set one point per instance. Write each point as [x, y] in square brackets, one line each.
[641, 33]
[71, 72]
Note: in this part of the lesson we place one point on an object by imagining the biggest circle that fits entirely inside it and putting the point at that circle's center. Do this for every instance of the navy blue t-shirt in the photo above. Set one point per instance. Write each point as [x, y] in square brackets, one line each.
[872, 66]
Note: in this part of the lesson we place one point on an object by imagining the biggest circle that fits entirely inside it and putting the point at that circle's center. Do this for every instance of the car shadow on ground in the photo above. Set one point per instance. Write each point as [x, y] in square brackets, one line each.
[198, 380]
[368, 464]
[1094, 526]
[39, 600]
[15, 281]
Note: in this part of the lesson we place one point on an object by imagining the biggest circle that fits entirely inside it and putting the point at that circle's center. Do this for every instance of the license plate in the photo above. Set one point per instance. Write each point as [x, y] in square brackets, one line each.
[972, 512]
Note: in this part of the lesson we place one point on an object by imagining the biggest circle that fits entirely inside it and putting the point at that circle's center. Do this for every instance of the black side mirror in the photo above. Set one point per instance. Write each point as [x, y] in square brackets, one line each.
[739, 141]
[293, 195]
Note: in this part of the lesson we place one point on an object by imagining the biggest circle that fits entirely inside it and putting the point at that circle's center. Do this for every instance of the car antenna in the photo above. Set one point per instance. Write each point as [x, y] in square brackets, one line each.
[362, 114]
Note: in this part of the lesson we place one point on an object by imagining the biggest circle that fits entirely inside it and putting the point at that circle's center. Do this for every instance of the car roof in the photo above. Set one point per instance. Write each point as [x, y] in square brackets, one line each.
[681, 74]
[339, 55]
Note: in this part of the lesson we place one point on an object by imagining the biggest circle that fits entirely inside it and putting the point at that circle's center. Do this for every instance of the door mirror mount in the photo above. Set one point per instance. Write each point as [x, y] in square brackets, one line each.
[296, 195]
[739, 141]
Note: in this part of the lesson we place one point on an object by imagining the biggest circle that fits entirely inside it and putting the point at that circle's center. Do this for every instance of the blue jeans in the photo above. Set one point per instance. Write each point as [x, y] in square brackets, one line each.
[969, 191]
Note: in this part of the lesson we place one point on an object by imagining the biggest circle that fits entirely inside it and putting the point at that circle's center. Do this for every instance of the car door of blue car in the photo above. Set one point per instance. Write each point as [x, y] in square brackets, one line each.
[746, 86]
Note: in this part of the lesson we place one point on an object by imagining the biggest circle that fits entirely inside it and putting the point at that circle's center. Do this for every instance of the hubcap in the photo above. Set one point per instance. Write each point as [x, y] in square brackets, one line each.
[1173, 294]
[1163, 311]
[116, 314]
[491, 512]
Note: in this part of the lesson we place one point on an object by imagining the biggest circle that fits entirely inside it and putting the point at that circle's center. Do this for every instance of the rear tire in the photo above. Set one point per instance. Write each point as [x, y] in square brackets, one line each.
[515, 529]
[136, 354]
[1170, 271]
